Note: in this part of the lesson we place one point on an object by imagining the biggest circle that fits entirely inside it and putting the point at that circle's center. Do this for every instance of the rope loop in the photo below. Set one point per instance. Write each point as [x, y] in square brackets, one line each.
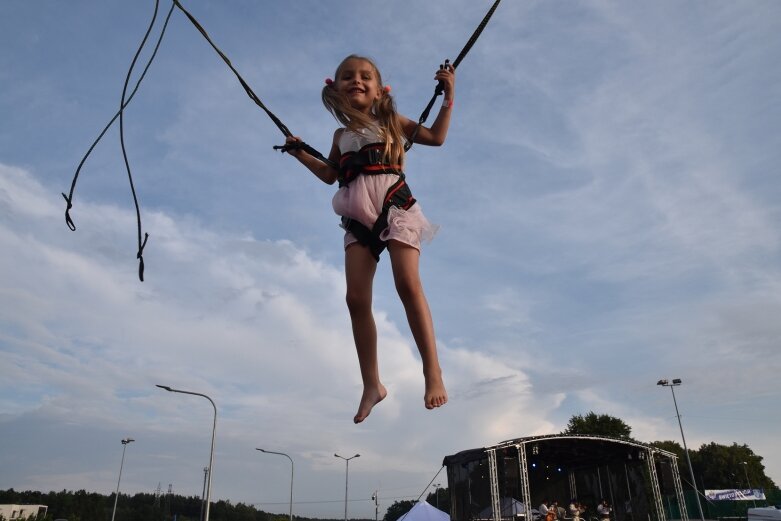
[140, 257]
[68, 219]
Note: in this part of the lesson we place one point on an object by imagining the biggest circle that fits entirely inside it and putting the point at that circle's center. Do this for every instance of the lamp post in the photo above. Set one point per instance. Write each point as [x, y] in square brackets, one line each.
[676, 382]
[211, 452]
[203, 493]
[346, 475]
[436, 493]
[291, 476]
[121, 464]
[745, 469]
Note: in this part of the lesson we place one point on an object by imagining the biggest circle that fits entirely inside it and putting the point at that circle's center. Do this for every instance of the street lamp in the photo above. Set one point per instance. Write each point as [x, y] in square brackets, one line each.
[203, 493]
[291, 476]
[676, 382]
[121, 464]
[436, 492]
[346, 474]
[745, 469]
[211, 453]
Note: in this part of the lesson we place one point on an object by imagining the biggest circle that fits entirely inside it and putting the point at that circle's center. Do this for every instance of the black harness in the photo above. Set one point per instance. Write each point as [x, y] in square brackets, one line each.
[368, 161]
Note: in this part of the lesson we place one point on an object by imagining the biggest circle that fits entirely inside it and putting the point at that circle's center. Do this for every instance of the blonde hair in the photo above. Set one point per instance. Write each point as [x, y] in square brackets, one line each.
[383, 112]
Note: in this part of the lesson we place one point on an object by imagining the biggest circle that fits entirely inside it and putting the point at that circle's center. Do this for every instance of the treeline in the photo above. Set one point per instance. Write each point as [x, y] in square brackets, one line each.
[91, 506]
[715, 466]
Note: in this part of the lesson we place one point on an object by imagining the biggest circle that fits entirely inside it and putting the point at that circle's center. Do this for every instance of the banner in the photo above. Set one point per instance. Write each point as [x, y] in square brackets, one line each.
[734, 494]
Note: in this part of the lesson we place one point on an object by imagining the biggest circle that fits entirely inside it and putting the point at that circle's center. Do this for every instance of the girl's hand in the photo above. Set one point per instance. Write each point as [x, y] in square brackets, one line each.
[295, 152]
[447, 75]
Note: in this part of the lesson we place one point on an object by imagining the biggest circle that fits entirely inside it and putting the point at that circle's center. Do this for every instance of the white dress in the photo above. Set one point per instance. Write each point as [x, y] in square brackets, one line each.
[362, 199]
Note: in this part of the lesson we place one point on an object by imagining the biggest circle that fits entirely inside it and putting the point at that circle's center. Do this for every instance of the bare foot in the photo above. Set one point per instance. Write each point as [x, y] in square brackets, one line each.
[436, 395]
[370, 398]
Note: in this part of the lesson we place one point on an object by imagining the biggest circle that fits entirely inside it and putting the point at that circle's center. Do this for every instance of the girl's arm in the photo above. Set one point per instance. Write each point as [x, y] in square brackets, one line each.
[325, 173]
[436, 134]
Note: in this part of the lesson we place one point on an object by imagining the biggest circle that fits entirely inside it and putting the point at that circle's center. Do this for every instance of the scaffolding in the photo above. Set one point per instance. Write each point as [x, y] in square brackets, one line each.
[505, 481]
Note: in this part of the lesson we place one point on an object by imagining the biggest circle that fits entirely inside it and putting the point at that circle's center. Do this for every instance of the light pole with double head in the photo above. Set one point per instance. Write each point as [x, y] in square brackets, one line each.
[676, 382]
[121, 464]
[346, 476]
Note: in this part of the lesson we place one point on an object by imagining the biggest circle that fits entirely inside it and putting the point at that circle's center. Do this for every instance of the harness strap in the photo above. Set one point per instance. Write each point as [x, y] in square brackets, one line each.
[398, 195]
[367, 160]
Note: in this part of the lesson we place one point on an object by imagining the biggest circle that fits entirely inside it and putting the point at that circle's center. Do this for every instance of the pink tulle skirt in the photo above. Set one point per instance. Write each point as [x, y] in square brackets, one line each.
[362, 201]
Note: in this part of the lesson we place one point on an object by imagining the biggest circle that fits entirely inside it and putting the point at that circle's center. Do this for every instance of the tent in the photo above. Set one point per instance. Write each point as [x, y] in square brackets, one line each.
[425, 511]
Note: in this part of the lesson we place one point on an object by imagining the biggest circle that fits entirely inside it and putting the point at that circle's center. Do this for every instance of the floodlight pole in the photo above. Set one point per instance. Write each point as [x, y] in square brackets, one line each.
[676, 382]
[745, 469]
[121, 464]
[211, 453]
[346, 475]
[291, 475]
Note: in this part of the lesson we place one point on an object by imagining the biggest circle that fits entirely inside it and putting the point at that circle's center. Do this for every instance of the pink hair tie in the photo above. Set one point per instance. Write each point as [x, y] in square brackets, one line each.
[329, 81]
[387, 89]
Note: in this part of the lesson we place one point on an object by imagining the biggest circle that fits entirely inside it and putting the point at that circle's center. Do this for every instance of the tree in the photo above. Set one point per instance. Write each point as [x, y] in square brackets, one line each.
[398, 509]
[598, 424]
[722, 466]
[671, 446]
[442, 502]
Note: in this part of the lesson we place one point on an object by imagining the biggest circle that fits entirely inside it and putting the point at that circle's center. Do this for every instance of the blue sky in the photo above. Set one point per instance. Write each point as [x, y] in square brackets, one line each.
[609, 207]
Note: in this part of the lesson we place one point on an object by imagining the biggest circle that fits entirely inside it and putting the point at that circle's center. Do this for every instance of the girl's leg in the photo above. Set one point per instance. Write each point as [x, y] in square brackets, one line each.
[404, 259]
[360, 267]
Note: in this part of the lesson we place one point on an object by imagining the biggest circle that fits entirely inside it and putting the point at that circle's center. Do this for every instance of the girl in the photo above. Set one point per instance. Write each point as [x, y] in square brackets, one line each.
[379, 211]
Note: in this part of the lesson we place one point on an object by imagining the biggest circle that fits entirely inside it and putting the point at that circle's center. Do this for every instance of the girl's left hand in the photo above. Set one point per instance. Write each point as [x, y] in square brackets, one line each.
[447, 75]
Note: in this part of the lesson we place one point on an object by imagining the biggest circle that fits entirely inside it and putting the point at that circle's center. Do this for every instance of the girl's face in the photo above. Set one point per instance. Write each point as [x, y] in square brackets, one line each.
[359, 82]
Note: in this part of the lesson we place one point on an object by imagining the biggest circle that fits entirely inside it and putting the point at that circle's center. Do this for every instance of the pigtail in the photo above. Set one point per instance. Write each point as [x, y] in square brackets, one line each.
[385, 110]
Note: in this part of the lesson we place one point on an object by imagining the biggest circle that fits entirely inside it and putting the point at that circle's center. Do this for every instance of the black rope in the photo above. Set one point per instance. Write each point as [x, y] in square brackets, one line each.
[424, 491]
[440, 86]
[69, 197]
[284, 148]
[126, 100]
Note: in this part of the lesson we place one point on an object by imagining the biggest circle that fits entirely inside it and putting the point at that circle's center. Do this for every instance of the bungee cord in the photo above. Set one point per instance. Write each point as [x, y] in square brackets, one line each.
[440, 86]
[125, 101]
[421, 494]
[281, 126]
[141, 244]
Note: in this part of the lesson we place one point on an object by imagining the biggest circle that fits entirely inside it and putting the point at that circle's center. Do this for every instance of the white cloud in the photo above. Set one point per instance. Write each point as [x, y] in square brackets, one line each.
[258, 325]
[609, 217]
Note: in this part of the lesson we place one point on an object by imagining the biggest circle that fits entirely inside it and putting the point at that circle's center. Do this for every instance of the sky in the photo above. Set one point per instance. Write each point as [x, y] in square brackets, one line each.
[608, 197]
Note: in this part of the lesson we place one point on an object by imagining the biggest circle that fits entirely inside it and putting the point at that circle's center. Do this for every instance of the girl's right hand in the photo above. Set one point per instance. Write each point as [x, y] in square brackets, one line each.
[295, 152]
